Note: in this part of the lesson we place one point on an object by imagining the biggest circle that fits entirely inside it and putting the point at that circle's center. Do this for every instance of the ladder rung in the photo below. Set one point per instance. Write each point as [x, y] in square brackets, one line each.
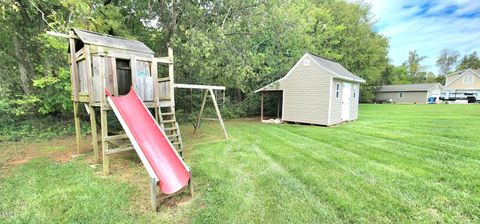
[175, 143]
[168, 121]
[170, 129]
[172, 136]
[167, 113]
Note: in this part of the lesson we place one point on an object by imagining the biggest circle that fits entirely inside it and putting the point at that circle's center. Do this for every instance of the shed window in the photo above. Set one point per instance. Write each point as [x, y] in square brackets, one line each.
[468, 79]
[306, 62]
[337, 91]
[354, 92]
[400, 95]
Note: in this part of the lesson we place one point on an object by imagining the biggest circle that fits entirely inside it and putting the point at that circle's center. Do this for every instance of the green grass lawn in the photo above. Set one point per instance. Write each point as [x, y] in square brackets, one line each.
[397, 163]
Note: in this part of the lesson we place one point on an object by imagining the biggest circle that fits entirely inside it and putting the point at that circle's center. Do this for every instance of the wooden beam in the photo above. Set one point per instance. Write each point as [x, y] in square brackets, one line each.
[193, 86]
[104, 126]
[76, 110]
[88, 69]
[73, 69]
[218, 113]
[171, 74]
[261, 107]
[163, 60]
[93, 124]
[70, 35]
[197, 125]
[154, 193]
[115, 75]
[133, 67]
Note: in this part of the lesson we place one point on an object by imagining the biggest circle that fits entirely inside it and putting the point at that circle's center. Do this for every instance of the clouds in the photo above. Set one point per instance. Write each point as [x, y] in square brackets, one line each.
[428, 26]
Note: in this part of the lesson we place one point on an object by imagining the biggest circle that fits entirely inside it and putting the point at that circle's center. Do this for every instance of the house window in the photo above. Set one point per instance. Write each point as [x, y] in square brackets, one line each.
[337, 91]
[306, 62]
[400, 95]
[468, 79]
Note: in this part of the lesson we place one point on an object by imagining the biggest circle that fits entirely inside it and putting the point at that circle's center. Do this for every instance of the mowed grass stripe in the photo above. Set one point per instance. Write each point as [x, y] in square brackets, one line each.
[319, 178]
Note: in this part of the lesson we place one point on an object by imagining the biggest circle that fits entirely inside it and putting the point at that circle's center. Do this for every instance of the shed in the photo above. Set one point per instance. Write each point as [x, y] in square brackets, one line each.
[316, 91]
[409, 93]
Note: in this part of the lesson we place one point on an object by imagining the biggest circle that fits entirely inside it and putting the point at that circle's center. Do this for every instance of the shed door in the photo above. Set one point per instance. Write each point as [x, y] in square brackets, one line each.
[346, 95]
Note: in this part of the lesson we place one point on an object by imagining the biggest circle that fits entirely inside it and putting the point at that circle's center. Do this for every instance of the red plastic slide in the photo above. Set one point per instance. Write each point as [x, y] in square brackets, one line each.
[155, 150]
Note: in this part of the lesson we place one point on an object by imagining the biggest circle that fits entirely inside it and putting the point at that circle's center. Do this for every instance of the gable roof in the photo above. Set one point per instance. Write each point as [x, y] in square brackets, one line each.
[474, 71]
[333, 68]
[336, 69]
[99, 39]
[462, 72]
[408, 87]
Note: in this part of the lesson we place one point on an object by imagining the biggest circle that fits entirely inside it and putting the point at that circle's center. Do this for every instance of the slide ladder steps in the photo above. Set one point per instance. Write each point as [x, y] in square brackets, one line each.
[169, 124]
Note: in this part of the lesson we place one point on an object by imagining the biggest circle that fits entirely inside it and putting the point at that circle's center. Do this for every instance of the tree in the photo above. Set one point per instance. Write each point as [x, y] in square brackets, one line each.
[447, 60]
[469, 61]
[415, 70]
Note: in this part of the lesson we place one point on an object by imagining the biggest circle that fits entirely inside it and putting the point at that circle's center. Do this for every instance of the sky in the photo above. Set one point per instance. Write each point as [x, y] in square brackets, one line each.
[428, 26]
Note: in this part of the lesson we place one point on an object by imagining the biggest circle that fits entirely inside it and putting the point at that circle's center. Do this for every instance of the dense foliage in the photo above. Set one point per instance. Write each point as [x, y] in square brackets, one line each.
[242, 45]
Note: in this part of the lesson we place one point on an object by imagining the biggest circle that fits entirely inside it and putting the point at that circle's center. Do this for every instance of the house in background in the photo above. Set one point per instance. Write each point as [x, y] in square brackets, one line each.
[316, 91]
[409, 93]
[462, 85]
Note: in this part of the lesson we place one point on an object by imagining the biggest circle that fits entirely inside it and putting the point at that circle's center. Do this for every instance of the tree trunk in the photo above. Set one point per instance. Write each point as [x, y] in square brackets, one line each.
[24, 77]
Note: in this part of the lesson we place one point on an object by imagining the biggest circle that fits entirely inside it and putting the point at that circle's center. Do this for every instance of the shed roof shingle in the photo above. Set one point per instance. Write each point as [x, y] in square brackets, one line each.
[408, 87]
[111, 41]
[336, 68]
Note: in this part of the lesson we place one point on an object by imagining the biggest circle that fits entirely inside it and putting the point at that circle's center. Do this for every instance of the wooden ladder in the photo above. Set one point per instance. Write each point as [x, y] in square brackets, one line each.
[169, 124]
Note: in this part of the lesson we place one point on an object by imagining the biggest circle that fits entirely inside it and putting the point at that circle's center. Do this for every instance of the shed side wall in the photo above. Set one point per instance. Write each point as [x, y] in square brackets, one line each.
[306, 94]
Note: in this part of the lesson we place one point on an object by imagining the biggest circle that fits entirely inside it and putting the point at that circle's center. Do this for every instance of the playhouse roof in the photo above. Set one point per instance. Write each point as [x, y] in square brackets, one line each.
[104, 40]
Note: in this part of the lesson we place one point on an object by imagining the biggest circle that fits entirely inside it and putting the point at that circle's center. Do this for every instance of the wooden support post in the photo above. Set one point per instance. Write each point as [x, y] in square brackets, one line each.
[133, 67]
[115, 76]
[106, 161]
[197, 125]
[154, 194]
[93, 124]
[103, 117]
[73, 69]
[170, 75]
[76, 110]
[190, 185]
[88, 69]
[218, 113]
[261, 106]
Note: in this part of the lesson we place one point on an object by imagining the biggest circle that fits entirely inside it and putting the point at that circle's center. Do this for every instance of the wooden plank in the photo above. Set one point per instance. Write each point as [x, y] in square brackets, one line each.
[116, 137]
[115, 76]
[193, 86]
[104, 127]
[153, 193]
[73, 69]
[133, 66]
[93, 124]
[88, 69]
[117, 150]
[197, 124]
[218, 113]
[163, 60]
[261, 107]
[56, 34]
[109, 74]
[76, 110]
[79, 52]
[170, 74]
